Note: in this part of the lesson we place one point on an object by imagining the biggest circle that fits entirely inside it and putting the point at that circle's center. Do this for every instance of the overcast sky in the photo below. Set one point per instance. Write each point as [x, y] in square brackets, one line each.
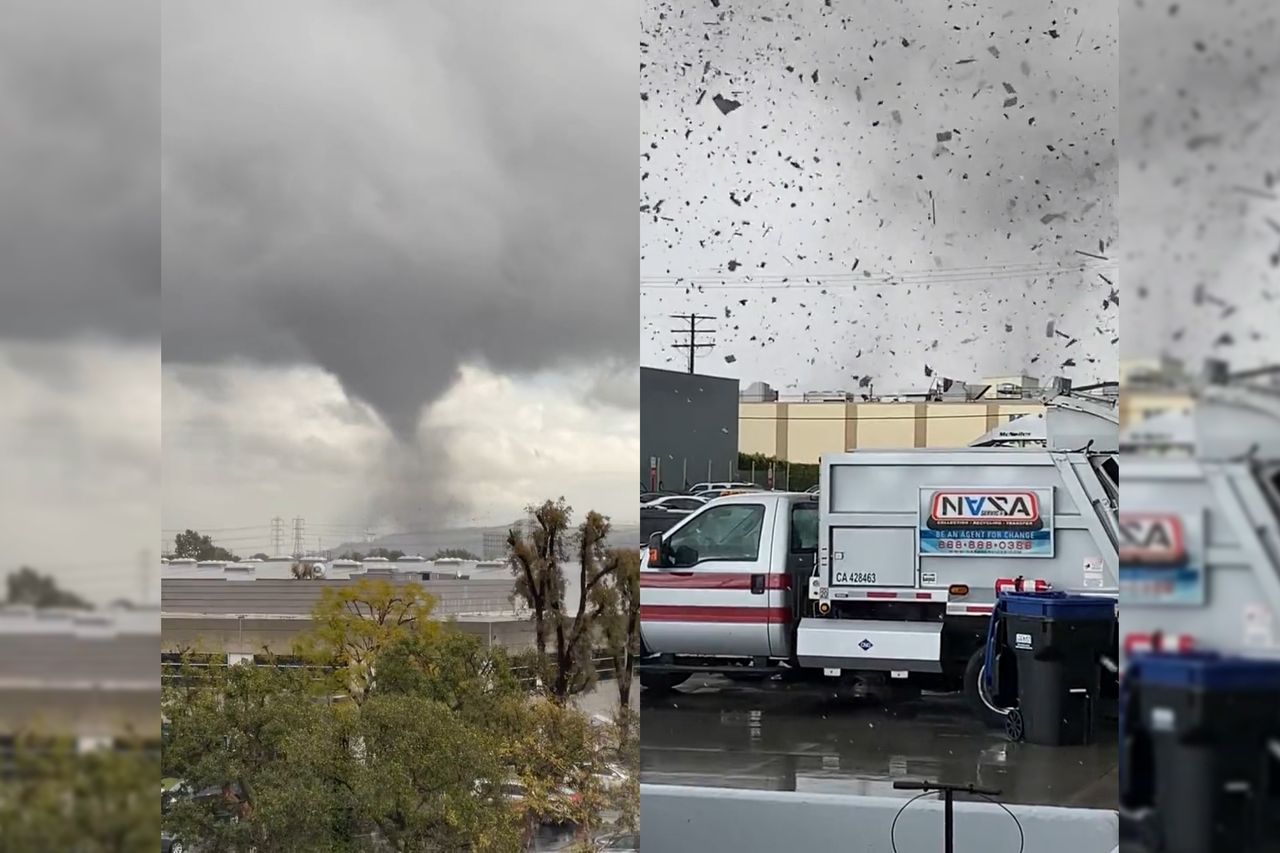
[400, 262]
[1200, 180]
[870, 193]
[80, 285]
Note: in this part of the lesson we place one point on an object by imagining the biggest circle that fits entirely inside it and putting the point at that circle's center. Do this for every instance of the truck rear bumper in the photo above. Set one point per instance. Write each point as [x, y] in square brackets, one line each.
[870, 644]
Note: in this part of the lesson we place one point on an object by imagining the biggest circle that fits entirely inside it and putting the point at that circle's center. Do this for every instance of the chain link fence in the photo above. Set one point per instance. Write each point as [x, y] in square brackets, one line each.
[682, 475]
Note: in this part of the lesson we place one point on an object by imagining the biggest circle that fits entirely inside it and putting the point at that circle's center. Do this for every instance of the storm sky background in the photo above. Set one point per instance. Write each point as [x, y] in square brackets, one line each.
[80, 293]
[395, 283]
[878, 194]
[399, 262]
[1200, 180]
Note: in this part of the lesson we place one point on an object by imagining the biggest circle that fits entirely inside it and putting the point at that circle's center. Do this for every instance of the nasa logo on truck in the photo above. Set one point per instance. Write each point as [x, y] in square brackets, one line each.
[1157, 563]
[985, 522]
[998, 510]
[1152, 540]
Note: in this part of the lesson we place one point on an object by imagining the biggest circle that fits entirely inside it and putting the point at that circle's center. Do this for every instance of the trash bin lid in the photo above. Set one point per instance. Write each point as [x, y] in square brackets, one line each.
[1058, 605]
[1207, 671]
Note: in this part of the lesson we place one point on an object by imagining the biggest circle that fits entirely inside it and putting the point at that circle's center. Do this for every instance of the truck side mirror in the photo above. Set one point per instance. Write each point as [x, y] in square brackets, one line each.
[655, 550]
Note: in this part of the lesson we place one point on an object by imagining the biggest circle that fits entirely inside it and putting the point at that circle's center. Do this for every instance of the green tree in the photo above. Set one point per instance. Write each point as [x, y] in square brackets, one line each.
[386, 553]
[420, 763]
[537, 560]
[355, 623]
[428, 779]
[617, 603]
[452, 668]
[27, 586]
[251, 744]
[191, 544]
[59, 799]
[454, 554]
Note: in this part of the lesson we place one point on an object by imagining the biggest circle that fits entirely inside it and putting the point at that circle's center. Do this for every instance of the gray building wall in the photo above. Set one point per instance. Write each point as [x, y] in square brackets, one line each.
[688, 421]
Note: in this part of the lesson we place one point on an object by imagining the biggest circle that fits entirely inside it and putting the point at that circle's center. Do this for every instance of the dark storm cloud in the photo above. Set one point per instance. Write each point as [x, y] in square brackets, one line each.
[79, 183]
[390, 191]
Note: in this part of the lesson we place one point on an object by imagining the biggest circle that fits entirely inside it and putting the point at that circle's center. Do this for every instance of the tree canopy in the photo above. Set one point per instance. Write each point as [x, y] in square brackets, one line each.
[607, 583]
[193, 545]
[27, 586]
[402, 731]
[55, 798]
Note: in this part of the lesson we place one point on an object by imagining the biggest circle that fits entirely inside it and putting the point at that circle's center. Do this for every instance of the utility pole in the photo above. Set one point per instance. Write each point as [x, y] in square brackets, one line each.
[299, 526]
[693, 331]
[277, 536]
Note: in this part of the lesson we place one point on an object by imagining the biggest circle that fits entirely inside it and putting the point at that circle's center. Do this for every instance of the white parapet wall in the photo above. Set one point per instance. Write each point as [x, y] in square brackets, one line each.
[676, 818]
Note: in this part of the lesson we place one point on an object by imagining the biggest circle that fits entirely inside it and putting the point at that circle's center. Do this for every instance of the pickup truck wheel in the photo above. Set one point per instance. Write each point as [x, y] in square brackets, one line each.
[973, 691]
[662, 682]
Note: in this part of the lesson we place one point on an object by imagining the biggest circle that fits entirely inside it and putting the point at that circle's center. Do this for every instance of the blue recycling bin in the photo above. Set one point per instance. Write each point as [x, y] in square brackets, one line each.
[1200, 738]
[1055, 640]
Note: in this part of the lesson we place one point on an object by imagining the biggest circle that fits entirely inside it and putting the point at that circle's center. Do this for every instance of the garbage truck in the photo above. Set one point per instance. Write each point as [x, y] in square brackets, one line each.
[1200, 525]
[892, 570]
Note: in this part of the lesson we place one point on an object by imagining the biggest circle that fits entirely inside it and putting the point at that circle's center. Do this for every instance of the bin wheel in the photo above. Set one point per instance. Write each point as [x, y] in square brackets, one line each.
[1013, 725]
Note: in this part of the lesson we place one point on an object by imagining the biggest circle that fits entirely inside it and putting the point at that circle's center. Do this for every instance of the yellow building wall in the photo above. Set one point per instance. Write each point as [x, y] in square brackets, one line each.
[803, 432]
[759, 428]
[814, 428]
[1137, 406]
[956, 424]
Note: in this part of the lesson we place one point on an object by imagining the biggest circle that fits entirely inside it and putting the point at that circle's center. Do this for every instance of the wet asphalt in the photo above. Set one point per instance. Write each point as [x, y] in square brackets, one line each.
[811, 738]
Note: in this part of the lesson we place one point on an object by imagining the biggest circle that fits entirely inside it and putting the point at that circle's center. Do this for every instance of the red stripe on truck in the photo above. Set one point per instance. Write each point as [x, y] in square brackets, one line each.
[736, 615]
[709, 580]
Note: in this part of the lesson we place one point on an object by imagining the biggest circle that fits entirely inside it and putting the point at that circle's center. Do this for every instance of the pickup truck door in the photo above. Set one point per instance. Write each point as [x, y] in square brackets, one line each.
[712, 595]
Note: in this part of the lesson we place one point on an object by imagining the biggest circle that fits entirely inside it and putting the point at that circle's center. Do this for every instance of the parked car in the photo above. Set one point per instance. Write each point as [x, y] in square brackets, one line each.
[718, 485]
[682, 504]
[712, 494]
[611, 776]
[649, 497]
[625, 842]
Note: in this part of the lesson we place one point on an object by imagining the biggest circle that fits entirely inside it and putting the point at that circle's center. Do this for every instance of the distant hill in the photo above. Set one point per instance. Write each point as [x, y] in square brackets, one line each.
[470, 538]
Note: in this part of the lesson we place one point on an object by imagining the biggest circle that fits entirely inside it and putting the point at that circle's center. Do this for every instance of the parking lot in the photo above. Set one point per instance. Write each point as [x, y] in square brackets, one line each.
[807, 737]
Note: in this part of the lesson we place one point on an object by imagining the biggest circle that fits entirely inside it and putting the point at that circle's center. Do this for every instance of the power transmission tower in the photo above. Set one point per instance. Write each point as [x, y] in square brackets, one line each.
[277, 536]
[693, 331]
[299, 526]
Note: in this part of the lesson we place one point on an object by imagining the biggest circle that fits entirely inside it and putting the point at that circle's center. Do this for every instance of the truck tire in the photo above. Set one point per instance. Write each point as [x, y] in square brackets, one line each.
[972, 691]
[662, 682]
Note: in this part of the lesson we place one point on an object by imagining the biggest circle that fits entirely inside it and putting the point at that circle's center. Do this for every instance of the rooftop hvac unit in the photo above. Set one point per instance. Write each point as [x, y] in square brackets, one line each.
[1007, 390]
[827, 396]
[759, 392]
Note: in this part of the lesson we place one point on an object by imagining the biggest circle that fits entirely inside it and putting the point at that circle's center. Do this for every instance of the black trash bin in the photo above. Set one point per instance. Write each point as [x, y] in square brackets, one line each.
[1207, 728]
[1056, 639]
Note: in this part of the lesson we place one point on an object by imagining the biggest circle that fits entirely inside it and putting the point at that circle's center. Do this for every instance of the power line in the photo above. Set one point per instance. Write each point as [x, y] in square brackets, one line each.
[885, 279]
[693, 331]
[981, 269]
